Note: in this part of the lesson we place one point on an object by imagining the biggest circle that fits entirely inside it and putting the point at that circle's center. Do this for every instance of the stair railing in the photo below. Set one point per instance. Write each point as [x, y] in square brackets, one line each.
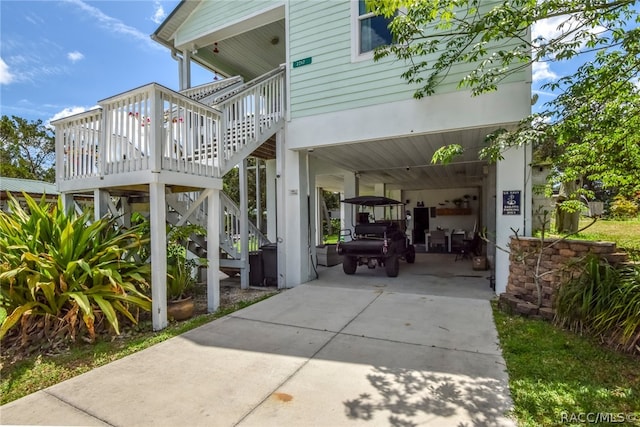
[203, 93]
[250, 116]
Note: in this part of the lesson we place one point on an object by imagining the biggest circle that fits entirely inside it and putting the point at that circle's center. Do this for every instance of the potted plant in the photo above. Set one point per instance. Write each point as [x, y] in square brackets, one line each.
[181, 271]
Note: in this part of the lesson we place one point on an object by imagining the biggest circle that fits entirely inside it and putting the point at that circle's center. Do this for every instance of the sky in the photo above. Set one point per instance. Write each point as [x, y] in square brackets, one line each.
[59, 57]
[63, 56]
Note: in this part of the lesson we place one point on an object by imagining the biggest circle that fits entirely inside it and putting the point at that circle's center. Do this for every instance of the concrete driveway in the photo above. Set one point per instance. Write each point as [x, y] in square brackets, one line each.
[363, 350]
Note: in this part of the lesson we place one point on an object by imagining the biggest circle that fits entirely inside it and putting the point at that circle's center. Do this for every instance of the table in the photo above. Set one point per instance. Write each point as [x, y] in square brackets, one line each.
[447, 235]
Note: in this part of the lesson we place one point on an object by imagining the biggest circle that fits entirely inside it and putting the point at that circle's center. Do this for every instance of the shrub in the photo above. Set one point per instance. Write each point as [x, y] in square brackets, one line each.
[622, 208]
[61, 276]
[604, 301]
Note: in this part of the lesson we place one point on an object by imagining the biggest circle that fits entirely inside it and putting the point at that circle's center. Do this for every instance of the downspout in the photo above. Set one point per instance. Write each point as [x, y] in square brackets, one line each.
[179, 59]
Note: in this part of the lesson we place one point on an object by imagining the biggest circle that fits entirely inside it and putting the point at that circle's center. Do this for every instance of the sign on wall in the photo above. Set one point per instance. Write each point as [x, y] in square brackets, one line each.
[301, 62]
[511, 202]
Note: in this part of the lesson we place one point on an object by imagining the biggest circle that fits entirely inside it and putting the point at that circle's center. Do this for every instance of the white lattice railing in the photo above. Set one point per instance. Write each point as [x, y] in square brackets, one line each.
[153, 128]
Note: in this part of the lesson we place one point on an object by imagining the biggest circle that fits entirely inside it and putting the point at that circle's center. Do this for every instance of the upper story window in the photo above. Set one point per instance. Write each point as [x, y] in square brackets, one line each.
[372, 31]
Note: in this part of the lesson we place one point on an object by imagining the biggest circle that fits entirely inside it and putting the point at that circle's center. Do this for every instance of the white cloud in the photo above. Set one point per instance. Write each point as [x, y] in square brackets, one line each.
[5, 75]
[113, 24]
[547, 28]
[68, 111]
[75, 56]
[158, 13]
[552, 28]
[542, 72]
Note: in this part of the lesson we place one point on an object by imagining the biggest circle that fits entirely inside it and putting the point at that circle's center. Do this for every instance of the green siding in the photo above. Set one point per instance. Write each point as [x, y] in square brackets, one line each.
[332, 82]
[214, 14]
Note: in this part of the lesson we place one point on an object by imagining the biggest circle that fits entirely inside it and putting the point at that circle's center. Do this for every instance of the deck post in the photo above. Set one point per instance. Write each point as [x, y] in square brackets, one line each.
[213, 254]
[157, 209]
[281, 220]
[244, 225]
[258, 201]
[270, 203]
[100, 203]
[156, 149]
[68, 204]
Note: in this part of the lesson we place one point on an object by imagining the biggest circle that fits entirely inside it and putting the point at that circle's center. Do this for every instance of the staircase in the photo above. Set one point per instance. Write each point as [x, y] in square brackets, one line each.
[202, 132]
[183, 206]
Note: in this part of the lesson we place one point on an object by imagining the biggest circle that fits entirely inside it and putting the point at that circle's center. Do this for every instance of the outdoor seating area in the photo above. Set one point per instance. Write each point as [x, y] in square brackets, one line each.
[445, 240]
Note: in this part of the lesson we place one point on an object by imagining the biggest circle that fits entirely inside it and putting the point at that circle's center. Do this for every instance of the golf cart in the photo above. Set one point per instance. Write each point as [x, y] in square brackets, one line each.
[379, 242]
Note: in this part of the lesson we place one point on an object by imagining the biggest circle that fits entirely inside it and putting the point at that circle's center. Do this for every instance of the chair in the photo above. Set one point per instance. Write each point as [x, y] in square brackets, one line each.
[437, 238]
[470, 247]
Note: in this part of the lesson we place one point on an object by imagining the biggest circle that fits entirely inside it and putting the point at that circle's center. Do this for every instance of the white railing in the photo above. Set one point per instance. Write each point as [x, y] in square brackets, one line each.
[77, 145]
[153, 128]
[250, 115]
[199, 93]
[230, 229]
[149, 128]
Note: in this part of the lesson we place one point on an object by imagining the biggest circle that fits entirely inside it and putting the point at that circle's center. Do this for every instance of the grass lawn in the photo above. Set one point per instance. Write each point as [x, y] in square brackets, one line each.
[626, 234]
[554, 375]
[41, 371]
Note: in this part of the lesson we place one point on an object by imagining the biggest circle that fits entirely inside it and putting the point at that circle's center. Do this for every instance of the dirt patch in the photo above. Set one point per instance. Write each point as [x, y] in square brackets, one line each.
[231, 294]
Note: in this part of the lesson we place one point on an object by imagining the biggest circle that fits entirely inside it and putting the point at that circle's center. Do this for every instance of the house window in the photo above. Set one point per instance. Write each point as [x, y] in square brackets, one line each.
[372, 31]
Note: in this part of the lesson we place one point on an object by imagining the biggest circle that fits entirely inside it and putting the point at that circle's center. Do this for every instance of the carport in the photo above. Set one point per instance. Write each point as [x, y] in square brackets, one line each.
[401, 168]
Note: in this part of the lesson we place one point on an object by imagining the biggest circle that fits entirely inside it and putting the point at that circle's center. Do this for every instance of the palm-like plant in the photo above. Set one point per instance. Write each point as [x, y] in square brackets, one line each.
[180, 268]
[60, 272]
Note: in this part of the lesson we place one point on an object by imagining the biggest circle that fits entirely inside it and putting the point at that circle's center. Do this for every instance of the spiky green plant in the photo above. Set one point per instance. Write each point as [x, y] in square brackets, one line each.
[59, 272]
[603, 300]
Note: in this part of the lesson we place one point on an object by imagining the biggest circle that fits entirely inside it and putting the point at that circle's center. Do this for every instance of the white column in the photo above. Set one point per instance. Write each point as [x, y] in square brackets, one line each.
[281, 212]
[244, 225]
[185, 70]
[213, 257]
[258, 198]
[68, 203]
[270, 203]
[512, 177]
[347, 211]
[296, 215]
[157, 208]
[100, 203]
[320, 212]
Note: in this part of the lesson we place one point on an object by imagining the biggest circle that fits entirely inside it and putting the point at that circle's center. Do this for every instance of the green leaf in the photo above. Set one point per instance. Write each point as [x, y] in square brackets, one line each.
[108, 311]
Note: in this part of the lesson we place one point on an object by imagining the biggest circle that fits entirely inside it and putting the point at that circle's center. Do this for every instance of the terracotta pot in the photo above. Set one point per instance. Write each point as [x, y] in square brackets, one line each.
[180, 309]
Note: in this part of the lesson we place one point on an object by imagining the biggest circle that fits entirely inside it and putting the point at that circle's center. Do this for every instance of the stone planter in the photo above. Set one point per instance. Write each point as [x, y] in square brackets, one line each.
[181, 309]
[328, 255]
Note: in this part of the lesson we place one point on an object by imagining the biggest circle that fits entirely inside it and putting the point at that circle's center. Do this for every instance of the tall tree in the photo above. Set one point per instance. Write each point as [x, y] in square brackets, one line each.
[591, 129]
[27, 149]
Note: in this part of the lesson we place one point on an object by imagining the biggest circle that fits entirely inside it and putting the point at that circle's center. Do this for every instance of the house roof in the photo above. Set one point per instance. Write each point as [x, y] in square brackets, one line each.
[249, 48]
[30, 186]
[166, 31]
